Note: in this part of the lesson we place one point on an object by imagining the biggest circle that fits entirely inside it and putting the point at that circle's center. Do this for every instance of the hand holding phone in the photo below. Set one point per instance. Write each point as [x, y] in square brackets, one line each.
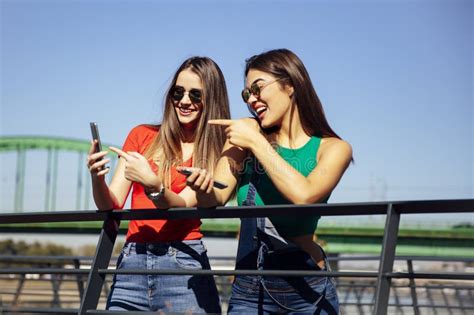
[188, 172]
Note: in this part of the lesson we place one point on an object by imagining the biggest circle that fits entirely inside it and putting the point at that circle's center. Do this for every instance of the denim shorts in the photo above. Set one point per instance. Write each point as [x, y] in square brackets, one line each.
[297, 293]
[165, 293]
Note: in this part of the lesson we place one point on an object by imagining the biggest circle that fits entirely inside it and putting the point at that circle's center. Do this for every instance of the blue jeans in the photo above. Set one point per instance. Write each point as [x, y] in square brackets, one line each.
[297, 295]
[166, 293]
[249, 297]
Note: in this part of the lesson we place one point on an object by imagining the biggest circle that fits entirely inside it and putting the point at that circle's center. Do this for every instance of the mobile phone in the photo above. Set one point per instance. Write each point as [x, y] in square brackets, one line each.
[217, 184]
[95, 136]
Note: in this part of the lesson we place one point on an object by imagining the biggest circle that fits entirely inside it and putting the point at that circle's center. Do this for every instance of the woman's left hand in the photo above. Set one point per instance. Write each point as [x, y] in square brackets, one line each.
[200, 180]
[138, 169]
[240, 132]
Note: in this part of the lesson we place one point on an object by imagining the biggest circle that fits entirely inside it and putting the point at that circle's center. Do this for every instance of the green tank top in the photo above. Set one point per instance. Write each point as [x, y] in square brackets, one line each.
[304, 161]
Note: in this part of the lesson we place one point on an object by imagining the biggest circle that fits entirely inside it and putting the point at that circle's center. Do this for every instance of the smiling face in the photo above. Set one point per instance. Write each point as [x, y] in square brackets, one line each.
[273, 104]
[188, 108]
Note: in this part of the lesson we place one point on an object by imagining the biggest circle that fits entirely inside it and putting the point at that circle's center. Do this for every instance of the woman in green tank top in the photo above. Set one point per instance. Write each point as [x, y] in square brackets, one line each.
[290, 155]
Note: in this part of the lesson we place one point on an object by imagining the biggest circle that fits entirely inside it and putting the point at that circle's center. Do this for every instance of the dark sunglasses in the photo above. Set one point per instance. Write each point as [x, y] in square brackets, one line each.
[178, 92]
[255, 89]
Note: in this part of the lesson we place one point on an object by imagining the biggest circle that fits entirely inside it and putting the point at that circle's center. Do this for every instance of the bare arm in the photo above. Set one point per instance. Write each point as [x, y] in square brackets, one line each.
[105, 197]
[226, 171]
[335, 157]
[185, 199]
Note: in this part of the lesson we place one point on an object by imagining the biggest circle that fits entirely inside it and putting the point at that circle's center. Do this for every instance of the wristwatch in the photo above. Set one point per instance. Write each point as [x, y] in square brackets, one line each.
[156, 195]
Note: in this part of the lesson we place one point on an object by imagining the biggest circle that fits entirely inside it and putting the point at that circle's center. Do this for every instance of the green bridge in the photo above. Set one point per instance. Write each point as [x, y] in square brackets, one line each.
[439, 241]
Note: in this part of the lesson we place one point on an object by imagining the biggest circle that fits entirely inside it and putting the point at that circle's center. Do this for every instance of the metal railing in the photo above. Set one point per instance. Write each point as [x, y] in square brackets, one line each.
[355, 295]
[111, 222]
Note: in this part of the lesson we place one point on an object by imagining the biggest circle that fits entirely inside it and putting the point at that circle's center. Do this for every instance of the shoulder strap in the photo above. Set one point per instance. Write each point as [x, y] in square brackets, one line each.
[266, 231]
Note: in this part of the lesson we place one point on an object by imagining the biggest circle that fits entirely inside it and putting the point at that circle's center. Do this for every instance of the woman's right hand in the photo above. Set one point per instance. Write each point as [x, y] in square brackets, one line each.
[96, 162]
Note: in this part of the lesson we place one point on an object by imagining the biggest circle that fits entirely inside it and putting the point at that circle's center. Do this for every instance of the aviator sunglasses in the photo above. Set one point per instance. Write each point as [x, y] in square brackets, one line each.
[255, 89]
[178, 92]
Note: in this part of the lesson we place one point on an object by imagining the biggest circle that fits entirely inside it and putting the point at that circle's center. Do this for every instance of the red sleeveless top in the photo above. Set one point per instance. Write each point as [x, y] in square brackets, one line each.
[149, 231]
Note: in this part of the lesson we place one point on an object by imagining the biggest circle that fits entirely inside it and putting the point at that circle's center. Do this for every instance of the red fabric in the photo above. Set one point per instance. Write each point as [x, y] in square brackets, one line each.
[149, 231]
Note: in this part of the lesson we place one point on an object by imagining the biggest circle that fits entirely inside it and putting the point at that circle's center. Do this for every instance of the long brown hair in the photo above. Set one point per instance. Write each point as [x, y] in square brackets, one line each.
[285, 66]
[166, 149]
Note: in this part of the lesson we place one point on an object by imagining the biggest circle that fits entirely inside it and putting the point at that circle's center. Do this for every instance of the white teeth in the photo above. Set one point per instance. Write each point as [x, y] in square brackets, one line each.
[260, 110]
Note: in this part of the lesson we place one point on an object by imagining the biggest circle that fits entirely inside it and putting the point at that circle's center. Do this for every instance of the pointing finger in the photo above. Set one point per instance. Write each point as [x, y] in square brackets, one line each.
[120, 153]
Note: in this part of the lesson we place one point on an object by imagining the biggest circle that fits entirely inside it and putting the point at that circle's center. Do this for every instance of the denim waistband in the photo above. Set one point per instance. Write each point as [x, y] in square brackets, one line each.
[160, 248]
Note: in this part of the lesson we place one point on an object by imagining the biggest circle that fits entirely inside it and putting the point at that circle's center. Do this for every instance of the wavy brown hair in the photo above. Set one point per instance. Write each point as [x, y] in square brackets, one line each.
[289, 70]
[208, 139]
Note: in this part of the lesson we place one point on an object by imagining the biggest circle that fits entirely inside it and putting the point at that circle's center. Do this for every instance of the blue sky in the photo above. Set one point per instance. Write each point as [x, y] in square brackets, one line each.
[395, 77]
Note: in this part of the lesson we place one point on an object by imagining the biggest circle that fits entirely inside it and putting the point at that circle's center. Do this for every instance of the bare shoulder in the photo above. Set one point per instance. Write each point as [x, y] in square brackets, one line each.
[333, 146]
[251, 121]
[248, 119]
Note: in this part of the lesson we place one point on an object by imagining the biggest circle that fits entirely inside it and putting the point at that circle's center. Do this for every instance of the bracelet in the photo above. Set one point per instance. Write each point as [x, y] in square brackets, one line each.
[155, 196]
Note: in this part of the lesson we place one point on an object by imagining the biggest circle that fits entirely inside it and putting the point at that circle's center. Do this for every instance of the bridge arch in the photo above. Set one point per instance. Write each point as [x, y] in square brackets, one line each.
[53, 147]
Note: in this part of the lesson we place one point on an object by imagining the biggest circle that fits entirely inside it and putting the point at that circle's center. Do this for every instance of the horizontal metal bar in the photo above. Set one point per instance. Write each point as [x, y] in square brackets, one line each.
[112, 312]
[191, 213]
[82, 259]
[430, 275]
[357, 303]
[337, 209]
[276, 273]
[57, 216]
[343, 284]
[88, 259]
[459, 307]
[288, 273]
[63, 280]
[36, 310]
[340, 284]
[44, 271]
[408, 305]
[435, 206]
[434, 258]
[433, 306]
[340, 303]
[74, 311]
[68, 293]
[368, 258]
[38, 258]
[400, 258]
[439, 287]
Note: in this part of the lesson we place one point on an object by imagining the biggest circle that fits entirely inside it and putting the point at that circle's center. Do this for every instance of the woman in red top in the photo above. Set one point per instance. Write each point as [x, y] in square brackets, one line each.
[147, 165]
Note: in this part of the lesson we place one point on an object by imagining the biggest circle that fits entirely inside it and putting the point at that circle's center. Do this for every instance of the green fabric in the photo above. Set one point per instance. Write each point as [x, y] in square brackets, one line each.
[304, 161]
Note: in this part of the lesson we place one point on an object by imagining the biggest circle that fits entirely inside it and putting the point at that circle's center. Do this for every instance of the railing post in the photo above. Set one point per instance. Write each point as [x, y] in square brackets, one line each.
[21, 282]
[387, 257]
[80, 282]
[359, 293]
[414, 298]
[56, 284]
[432, 302]
[334, 263]
[101, 260]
